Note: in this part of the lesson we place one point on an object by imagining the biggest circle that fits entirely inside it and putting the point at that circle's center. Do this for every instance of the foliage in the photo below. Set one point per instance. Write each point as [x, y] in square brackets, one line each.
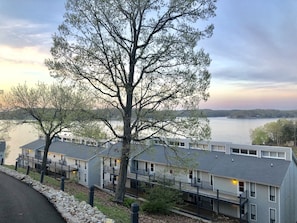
[114, 114]
[160, 199]
[139, 57]
[278, 133]
[261, 113]
[53, 107]
[128, 202]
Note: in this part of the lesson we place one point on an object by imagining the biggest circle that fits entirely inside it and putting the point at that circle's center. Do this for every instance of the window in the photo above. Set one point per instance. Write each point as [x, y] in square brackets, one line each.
[110, 162]
[146, 167]
[272, 215]
[152, 167]
[75, 162]
[211, 180]
[273, 154]
[281, 154]
[115, 162]
[265, 154]
[85, 177]
[235, 150]
[272, 192]
[85, 165]
[253, 212]
[241, 186]
[190, 174]
[252, 189]
[171, 171]
[252, 152]
[244, 151]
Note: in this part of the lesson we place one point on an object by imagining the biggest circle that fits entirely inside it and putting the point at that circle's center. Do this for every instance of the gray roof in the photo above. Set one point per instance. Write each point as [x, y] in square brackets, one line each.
[77, 151]
[2, 146]
[114, 150]
[37, 144]
[260, 170]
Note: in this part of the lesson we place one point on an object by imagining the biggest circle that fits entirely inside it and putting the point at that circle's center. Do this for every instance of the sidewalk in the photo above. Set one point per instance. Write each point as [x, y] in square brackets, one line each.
[21, 203]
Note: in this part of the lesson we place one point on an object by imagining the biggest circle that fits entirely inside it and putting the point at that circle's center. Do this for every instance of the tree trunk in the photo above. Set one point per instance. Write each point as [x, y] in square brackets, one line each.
[121, 185]
[45, 152]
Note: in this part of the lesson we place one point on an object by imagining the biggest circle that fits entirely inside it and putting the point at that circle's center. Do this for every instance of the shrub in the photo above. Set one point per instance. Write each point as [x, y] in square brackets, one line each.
[128, 202]
[160, 199]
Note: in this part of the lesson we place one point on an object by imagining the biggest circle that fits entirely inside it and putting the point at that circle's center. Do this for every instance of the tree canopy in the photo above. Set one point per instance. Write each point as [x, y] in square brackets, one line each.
[140, 56]
[53, 108]
[280, 133]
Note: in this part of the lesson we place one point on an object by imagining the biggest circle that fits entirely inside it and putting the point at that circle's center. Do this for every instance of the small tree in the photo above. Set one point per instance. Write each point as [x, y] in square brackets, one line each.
[53, 108]
[141, 56]
[259, 136]
[160, 199]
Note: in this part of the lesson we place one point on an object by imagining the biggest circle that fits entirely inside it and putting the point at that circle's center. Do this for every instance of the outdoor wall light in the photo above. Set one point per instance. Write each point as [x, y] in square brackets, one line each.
[234, 181]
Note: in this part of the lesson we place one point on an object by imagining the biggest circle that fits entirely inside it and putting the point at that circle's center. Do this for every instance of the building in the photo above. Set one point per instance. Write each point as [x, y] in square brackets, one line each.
[248, 182]
[2, 151]
[251, 183]
[74, 161]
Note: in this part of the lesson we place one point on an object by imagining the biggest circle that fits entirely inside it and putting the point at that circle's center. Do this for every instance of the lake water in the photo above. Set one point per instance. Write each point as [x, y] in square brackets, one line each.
[223, 129]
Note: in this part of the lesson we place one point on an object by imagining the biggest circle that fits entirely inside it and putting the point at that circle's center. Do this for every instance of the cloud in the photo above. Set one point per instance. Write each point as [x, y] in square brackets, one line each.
[30, 22]
[23, 33]
[19, 65]
[254, 41]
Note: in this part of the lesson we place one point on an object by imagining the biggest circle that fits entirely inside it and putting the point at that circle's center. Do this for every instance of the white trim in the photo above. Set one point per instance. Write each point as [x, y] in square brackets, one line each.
[244, 187]
[251, 212]
[254, 197]
[275, 213]
[269, 192]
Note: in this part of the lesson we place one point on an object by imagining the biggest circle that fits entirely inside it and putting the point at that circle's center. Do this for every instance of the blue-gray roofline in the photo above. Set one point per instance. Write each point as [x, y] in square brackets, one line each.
[220, 164]
[71, 150]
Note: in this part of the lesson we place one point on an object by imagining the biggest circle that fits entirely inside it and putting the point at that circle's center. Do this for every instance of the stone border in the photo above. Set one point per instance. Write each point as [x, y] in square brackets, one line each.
[70, 208]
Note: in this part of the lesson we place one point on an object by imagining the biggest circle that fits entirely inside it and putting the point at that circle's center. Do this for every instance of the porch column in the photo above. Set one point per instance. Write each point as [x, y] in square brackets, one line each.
[197, 200]
[218, 203]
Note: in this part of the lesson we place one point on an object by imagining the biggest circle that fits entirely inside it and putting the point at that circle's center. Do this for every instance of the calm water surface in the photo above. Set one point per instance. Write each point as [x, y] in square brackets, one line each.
[223, 129]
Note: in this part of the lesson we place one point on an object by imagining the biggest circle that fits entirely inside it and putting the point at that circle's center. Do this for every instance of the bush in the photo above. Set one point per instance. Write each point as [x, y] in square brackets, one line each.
[128, 202]
[160, 199]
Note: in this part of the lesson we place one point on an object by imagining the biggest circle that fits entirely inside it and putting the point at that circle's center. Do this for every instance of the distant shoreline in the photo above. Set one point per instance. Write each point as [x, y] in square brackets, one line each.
[233, 113]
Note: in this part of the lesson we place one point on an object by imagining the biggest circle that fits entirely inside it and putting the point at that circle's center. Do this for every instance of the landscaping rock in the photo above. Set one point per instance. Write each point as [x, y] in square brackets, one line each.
[71, 209]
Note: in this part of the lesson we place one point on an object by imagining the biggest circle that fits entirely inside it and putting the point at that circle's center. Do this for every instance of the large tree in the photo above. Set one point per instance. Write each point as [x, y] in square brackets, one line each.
[279, 133]
[140, 56]
[52, 107]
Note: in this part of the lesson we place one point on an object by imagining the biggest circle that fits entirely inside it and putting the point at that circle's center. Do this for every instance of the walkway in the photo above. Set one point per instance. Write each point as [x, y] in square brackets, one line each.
[21, 203]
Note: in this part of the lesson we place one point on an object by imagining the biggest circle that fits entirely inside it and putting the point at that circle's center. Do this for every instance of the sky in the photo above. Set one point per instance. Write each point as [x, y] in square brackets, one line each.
[253, 50]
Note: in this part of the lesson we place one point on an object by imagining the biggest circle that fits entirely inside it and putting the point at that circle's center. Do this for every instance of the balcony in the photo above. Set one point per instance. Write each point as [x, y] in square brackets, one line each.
[111, 169]
[203, 188]
[55, 167]
[63, 162]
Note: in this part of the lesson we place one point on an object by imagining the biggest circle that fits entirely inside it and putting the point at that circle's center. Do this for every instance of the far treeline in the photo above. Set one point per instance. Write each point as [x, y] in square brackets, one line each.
[236, 114]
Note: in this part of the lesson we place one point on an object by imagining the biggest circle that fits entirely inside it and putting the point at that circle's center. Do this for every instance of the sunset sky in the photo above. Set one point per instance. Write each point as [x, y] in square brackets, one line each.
[253, 50]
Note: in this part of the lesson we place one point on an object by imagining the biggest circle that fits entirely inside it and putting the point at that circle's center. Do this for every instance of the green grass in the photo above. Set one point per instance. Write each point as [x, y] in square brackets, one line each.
[36, 176]
[117, 214]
